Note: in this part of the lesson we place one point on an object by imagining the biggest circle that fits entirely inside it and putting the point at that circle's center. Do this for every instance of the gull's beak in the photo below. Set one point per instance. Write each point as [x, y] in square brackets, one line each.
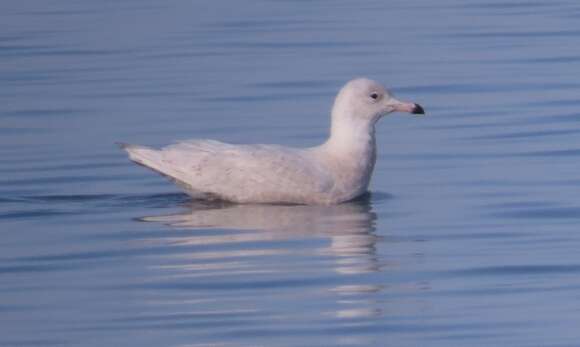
[409, 107]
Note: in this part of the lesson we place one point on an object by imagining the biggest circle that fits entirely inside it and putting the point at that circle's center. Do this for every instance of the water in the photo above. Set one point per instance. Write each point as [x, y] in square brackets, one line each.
[469, 238]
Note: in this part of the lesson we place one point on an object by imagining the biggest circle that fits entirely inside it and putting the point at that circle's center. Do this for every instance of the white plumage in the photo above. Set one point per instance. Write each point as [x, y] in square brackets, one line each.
[336, 171]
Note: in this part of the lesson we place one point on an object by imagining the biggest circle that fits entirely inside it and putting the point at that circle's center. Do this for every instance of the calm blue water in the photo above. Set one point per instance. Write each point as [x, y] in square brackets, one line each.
[470, 237]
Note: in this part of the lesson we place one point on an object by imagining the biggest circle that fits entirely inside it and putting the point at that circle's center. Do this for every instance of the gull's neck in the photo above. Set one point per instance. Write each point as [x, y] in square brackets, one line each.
[350, 135]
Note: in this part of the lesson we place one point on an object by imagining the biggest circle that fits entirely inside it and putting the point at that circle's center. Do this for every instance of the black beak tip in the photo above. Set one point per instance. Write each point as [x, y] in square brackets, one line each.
[418, 109]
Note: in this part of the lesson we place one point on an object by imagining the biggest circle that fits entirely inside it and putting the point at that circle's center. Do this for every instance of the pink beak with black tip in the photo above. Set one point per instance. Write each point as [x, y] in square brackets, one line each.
[409, 107]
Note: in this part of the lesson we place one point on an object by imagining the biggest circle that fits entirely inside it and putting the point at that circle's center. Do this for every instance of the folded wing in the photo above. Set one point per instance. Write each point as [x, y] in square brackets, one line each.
[241, 173]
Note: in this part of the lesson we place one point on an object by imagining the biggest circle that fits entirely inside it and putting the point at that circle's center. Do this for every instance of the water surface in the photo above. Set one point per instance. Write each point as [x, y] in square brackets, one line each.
[469, 237]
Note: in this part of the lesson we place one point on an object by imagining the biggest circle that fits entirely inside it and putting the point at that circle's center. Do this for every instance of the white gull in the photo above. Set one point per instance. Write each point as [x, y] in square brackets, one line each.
[339, 170]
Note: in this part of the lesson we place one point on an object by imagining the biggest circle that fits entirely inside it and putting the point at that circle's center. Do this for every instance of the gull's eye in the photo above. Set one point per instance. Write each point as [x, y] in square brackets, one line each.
[375, 96]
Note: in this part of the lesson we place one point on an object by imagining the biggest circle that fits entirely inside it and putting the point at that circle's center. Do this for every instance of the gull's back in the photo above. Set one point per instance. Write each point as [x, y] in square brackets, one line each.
[240, 173]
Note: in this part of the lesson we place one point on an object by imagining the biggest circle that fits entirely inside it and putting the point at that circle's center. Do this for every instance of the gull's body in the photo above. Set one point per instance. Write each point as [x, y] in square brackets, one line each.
[336, 171]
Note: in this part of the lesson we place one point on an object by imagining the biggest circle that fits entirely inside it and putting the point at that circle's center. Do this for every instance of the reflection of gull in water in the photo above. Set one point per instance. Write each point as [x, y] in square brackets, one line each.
[234, 241]
[295, 218]
[349, 227]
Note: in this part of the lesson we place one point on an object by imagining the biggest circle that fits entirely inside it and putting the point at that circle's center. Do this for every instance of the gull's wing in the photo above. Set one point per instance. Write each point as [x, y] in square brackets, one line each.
[258, 173]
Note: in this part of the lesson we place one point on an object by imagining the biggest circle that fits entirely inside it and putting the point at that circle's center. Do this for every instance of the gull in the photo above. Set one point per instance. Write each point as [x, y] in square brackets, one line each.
[334, 172]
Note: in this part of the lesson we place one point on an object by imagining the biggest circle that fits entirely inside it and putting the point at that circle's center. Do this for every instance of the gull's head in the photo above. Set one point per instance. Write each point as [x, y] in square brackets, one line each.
[366, 100]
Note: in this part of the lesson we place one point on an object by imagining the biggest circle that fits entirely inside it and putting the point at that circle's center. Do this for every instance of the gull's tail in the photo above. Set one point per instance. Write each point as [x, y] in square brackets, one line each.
[153, 160]
[145, 156]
